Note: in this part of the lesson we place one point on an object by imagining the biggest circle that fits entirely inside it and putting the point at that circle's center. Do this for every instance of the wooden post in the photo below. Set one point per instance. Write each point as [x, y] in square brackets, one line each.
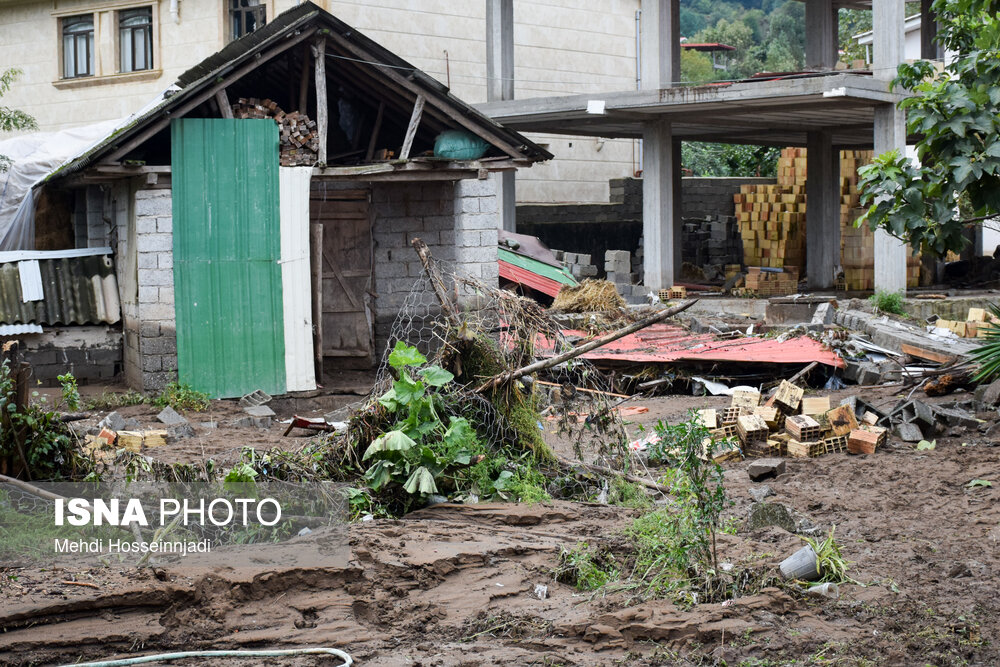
[375, 130]
[322, 111]
[316, 274]
[225, 108]
[437, 284]
[304, 82]
[411, 129]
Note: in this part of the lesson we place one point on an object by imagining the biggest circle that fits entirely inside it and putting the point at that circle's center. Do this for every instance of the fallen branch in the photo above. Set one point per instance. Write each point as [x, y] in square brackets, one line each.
[586, 391]
[30, 488]
[81, 583]
[437, 284]
[801, 374]
[649, 484]
[582, 349]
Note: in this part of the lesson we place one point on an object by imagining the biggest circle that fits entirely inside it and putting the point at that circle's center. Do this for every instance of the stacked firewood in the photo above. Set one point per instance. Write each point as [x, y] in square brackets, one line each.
[298, 139]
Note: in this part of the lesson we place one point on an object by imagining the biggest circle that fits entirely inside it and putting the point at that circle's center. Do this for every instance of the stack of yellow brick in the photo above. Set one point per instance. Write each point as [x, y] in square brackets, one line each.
[772, 221]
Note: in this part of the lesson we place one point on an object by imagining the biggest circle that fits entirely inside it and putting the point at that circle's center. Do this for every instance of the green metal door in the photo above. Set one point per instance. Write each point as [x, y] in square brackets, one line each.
[227, 280]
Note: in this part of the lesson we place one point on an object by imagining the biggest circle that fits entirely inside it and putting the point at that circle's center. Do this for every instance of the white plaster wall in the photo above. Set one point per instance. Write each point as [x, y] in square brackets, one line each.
[561, 47]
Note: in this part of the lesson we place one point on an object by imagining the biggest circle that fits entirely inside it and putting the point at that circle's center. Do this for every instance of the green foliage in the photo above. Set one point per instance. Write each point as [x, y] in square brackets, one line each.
[957, 114]
[12, 120]
[181, 396]
[709, 159]
[109, 400]
[696, 67]
[831, 564]
[980, 484]
[628, 494]
[32, 434]
[852, 22]
[887, 302]
[987, 355]
[585, 568]
[70, 392]
[420, 448]
[498, 478]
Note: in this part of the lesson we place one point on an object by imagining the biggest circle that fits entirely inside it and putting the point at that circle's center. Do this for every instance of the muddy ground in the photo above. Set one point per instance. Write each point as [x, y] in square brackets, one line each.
[455, 585]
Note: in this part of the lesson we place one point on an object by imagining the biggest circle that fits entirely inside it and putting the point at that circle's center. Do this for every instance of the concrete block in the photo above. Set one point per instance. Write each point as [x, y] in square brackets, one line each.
[149, 294]
[165, 260]
[180, 431]
[165, 224]
[151, 363]
[147, 260]
[149, 329]
[170, 417]
[113, 421]
[154, 243]
[152, 206]
[145, 225]
[258, 411]
[588, 271]
[765, 469]
[157, 277]
[908, 432]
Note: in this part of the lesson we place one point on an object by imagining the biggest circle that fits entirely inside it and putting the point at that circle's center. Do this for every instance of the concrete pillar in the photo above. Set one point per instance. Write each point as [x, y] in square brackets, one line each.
[888, 18]
[500, 86]
[821, 34]
[660, 226]
[823, 211]
[660, 44]
[660, 67]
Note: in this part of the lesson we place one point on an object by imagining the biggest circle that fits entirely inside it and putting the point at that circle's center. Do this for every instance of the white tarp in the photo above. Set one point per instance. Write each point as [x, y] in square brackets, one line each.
[33, 157]
[296, 285]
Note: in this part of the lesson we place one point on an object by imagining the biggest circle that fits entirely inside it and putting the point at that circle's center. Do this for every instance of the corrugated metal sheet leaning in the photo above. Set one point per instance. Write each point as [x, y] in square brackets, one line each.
[296, 286]
[77, 290]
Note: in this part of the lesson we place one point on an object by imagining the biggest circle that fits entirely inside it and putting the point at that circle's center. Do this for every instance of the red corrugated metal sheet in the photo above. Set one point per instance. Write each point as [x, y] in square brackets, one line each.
[662, 343]
[524, 277]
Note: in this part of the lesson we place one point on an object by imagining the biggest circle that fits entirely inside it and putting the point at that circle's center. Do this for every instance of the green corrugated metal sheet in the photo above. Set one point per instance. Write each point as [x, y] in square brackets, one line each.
[533, 265]
[227, 243]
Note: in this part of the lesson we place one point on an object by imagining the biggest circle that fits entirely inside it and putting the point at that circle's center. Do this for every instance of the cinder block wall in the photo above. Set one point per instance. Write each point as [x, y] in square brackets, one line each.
[457, 220]
[706, 196]
[149, 319]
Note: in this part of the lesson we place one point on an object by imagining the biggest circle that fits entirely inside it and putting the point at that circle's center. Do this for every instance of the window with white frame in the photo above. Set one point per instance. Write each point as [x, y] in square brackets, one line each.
[135, 39]
[78, 46]
[245, 16]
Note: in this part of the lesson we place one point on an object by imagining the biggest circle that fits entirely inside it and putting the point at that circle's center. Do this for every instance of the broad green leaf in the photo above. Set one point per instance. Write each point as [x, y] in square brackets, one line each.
[379, 474]
[436, 376]
[421, 481]
[502, 480]
[388, 400]
[980, 483]
[393, 441]
[924, 444]
[460, 434]
[405, 355]
[407, 389]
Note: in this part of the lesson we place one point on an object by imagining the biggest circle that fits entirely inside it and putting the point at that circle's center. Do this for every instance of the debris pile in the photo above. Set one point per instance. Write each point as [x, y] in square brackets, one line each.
[590, 296]
[976, 324]
[788, 424]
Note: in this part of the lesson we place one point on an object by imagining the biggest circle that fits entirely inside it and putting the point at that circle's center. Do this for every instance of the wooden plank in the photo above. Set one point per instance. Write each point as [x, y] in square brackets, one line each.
[322, 110]
[927, 355]
[411, 129]
[375, 130]
[225, 108]
[316, 275]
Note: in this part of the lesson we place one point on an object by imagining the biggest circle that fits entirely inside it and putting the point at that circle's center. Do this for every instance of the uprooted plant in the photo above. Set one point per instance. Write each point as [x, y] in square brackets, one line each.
[671, 551]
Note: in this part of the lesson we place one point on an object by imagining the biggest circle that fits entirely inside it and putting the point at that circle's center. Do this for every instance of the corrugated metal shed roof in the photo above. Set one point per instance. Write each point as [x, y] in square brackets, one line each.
[217, 66]
[663, 343]
[77, 290]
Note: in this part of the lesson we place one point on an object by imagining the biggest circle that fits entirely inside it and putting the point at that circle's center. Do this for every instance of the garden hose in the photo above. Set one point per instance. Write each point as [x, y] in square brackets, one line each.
[163, 657]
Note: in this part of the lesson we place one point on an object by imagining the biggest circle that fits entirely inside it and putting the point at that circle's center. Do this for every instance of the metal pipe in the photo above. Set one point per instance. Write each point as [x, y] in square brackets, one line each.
[175, 11]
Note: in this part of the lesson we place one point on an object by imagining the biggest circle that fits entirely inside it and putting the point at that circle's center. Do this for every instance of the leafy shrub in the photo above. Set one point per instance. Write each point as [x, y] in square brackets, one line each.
[70, 392]
[181, 396]
[831, 565]
[585, 568]
[109, 400]
[420, 447]
[887, 302]
[31, 434]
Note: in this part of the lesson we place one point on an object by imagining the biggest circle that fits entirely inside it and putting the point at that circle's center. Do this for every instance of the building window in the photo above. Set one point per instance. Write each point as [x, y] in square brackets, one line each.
[135, 39]
[245, 16]
[78, 46]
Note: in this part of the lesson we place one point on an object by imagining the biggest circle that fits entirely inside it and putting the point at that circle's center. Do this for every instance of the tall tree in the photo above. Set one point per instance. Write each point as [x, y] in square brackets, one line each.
[12, 120]
[956, 112]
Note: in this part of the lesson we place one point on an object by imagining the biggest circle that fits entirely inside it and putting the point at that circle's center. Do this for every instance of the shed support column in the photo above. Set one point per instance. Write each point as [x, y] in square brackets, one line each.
[890, 133]
[823, 212]
[660, 42]
[500, 86]
[660, 226]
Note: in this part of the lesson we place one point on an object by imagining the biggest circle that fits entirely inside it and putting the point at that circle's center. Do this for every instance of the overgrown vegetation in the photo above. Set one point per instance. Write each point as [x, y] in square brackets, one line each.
[670, 551]
[956, 114]
[31, 435]
[109, 400]
[887, 302]
[181, 396]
